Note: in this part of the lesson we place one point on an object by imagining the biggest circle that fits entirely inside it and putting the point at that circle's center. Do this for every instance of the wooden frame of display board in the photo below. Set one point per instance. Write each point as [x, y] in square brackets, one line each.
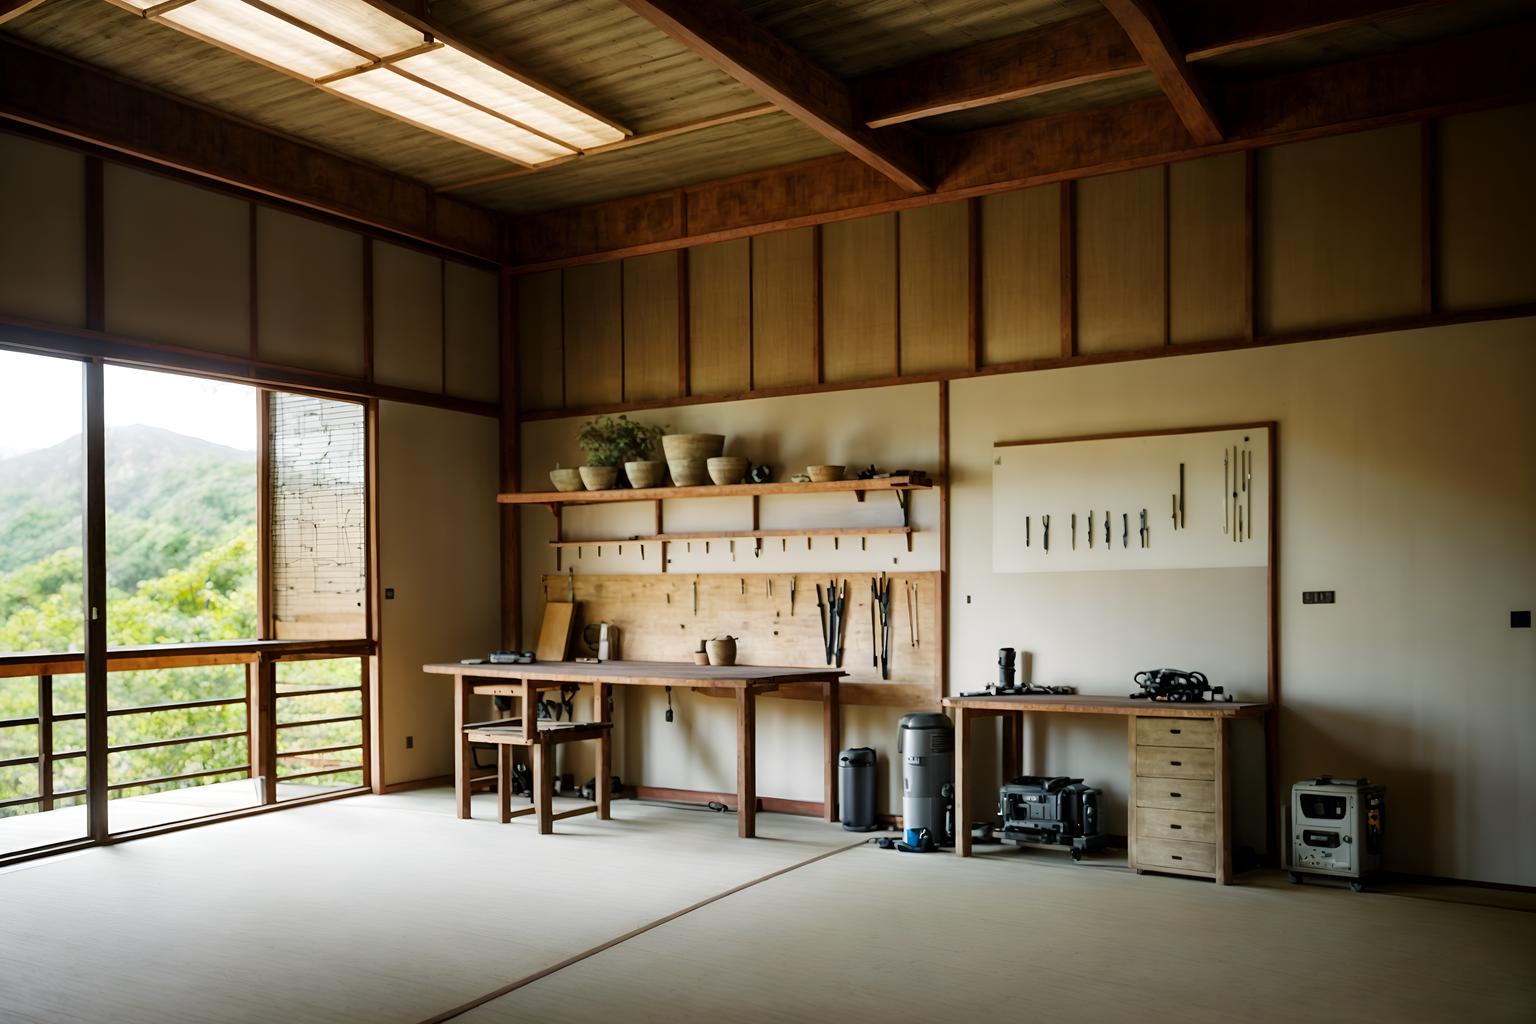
[1266, 456]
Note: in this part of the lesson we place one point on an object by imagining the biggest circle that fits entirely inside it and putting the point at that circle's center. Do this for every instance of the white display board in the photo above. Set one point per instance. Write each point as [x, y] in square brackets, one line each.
[1226, 481]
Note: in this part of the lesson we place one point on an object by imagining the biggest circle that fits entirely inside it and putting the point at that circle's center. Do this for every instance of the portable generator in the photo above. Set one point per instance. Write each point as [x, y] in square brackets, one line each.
[1336, 829]
[1051, 811]
[926, 742]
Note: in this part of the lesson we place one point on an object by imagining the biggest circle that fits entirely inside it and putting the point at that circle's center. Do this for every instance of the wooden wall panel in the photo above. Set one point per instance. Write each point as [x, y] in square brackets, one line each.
[42, 246]
[407, 318]
[594, 335]
[309, 293]
[1121, 261]
[471, 335]
[784, 308]
[720, 317]
[1338, 224]
[540, 347]
[858, 296]
[651, 320]
[1207, 249]
[1021, 275]
[1486, 208]
[935, 258]
[177, 262]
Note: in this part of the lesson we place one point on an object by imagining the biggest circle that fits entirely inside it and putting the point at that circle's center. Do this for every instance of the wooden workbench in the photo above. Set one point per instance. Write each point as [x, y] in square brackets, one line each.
[1182, 744]
[747, 681]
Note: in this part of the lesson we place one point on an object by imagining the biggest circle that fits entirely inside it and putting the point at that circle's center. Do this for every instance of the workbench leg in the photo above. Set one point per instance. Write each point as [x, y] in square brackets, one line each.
[544, 785]
[832, 737]
[600, 693]
[746, 763]
[1013, 745]
[504, 782]
[1223, 808]
[962, 781]
[463, 765]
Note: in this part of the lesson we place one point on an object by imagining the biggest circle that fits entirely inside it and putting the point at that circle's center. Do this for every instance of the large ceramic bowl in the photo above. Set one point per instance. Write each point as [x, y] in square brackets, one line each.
[689, 472]
[692, 446]
[824, 474]
[727, 470]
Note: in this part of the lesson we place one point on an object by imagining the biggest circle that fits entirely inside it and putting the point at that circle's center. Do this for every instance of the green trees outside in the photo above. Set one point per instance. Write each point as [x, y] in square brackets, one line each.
[181, 567]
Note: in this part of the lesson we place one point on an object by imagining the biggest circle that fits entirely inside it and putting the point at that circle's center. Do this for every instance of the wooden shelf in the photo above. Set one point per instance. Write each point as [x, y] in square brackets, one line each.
[856, 487]
[673, 538]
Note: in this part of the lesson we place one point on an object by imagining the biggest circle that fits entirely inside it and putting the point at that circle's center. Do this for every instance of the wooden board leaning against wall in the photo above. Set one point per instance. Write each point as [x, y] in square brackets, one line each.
[1378, 230]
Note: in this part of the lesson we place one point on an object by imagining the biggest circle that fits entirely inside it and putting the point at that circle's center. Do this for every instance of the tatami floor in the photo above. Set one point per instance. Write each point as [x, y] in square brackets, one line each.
[384, 909]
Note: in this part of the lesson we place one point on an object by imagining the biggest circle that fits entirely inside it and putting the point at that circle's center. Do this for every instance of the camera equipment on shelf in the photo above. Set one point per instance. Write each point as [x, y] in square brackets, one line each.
[1006, 660]
[1052, 811]
[1175, 686]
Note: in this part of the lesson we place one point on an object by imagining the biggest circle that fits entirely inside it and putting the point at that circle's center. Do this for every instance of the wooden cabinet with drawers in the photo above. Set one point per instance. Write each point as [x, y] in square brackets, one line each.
[1179, 820]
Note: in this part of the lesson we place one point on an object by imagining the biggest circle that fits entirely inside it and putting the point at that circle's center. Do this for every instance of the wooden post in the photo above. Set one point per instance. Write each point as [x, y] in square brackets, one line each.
[263, 727]
[543, 781]
[962, 781]
[95, 604]
[1013, 744]
[831, 729]
[604, 750]
[504, 782]
[45, 743]
[462, 764]
[746, 762]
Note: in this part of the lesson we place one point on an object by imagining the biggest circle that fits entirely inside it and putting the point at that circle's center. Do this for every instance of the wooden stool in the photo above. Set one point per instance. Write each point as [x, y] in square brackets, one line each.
[508, 733]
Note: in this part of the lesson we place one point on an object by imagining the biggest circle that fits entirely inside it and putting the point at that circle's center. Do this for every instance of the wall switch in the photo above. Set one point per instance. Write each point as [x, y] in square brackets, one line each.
[1520, 620]
[410, 741]
[1317, 597]
[389, 593]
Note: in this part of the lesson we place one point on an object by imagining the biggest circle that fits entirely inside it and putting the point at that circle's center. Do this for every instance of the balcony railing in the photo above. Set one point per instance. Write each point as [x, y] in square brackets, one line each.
[263, 703]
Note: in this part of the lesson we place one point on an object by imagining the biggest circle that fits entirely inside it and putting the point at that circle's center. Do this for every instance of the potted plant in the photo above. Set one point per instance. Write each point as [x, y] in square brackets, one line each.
[611, 441]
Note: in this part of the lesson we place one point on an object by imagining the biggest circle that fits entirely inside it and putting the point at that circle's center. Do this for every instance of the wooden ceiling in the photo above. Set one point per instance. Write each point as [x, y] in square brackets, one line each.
[773, 82]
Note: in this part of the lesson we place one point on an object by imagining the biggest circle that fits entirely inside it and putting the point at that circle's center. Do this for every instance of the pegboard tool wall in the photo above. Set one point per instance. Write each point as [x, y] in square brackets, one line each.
[657, 617]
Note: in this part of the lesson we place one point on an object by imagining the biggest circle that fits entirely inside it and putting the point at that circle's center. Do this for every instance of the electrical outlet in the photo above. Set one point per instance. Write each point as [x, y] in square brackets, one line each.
[389, 593]
[1317, 597]
[1520, 620]
[410, 741]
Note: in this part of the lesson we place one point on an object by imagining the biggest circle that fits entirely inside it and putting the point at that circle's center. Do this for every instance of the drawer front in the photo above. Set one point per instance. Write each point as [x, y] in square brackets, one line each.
[1172, 853]
[1176, 794]
[1188, 826]
[1176, 732]
[1176, 762]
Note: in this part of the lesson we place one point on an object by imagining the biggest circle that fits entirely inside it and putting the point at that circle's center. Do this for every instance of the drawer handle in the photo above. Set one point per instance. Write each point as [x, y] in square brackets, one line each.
[1178, 856]
[1175, 731]
[1176, 796]
[1176, 764]
[1176, 826]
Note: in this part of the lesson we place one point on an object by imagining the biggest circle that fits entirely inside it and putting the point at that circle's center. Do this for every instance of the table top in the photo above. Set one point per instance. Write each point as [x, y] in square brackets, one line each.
[643, 673]
[1092, 704]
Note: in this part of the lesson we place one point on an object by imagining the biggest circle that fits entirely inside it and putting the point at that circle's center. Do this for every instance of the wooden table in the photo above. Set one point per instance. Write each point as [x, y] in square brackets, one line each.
[747, 681]
[1144, 744]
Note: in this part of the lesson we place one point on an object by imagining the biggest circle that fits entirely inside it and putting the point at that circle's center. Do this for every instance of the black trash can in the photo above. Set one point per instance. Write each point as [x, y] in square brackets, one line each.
[857, 783]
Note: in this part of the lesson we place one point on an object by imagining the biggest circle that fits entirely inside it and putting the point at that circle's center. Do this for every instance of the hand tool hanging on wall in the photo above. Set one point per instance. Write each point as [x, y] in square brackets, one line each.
[1090, 531]
[1108, 543]
[695, 597]
[1125, 529]
[1224, 485]
[874, 632]
[1045, 521]
[822, 612]
[1181, 495]
[1175, 504]
[1236, 507]
[880, 591]
[1248, 486]
[911, 588]
[1074, 531]
[792, 594]
[1026, 531]
[840, 632]
[1146, 535]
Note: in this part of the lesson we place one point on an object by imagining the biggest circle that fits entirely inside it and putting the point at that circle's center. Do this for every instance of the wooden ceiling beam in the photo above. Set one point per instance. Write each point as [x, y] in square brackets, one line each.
[1093, 48]
[16, 8]
[763, 62]
[1152, 38]
[1430, 79]
[1076, 51]
[68, 98]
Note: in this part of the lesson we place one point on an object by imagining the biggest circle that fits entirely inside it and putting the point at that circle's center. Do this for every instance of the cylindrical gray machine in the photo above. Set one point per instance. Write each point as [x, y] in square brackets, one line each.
[856, 797]
[926, 741]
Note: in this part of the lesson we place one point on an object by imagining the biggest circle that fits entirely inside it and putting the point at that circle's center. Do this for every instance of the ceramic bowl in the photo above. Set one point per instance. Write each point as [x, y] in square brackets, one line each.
[688, 472]
[599, 478]
[728, 469]
[566, 479]
[645, 474]
[692, 446]
[824, 474]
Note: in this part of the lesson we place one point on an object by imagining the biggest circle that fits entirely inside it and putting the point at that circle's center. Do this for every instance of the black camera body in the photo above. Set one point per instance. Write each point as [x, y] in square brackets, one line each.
[1051, 810]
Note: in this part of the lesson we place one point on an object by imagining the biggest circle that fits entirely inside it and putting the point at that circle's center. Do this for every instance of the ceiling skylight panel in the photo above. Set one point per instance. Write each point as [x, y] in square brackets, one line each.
[468, 76]
[411, 101]
[354, 21]
[251, 31]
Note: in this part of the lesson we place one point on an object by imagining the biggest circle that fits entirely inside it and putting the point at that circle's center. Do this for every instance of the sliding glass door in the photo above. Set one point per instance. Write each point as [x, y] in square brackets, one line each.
[43, 735]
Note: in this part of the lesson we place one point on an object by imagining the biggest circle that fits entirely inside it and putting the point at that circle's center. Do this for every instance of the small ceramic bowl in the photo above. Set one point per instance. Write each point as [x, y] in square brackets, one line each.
[727, 469]
[566, 479]
[688, 472]
[824, 474]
